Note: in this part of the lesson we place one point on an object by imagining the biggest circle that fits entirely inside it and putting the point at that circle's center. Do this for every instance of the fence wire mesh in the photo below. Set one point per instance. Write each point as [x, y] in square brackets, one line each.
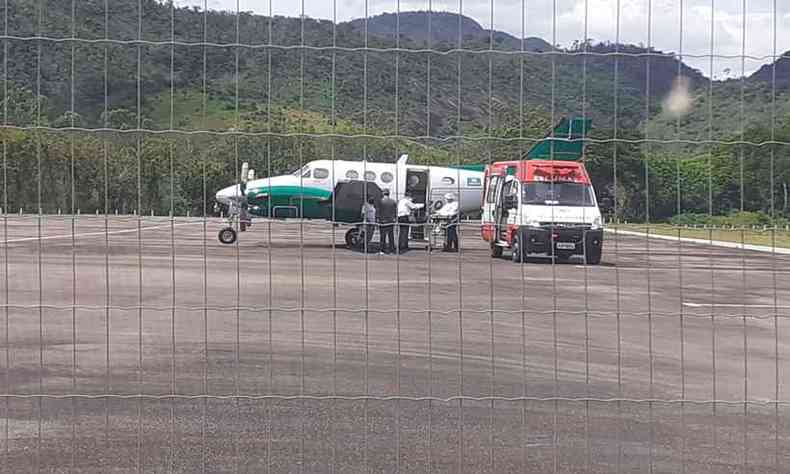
[134, 341]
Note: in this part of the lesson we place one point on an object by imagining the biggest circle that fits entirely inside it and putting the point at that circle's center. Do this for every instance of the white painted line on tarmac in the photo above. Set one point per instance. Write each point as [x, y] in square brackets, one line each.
[714, 243]
[732, 305]
[94, 234]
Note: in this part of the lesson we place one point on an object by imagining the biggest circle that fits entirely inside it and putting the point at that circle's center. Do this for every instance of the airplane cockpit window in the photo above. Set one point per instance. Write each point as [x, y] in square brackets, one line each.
[320, 173]
[386, 177]
[351, 174]
[370, 176]
[304, 171]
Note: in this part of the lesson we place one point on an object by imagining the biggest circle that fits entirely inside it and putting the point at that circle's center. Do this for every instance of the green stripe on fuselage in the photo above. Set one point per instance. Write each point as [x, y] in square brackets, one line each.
[290, 201]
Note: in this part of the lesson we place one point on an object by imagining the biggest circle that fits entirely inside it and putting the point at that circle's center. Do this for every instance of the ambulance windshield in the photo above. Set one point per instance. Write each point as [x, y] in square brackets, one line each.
[558, 194]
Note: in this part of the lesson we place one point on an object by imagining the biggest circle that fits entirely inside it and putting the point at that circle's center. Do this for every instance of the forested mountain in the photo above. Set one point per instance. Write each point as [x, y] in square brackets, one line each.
[513, 77]
[191, 70]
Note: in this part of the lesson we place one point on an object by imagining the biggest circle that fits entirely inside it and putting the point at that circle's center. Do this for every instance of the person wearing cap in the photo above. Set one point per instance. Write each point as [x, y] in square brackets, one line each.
[387, 214]
[450, 212]
[405, 208]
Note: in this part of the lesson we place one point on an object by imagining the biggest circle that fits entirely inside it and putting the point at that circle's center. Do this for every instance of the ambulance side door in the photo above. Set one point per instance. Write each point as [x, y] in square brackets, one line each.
[490, 212]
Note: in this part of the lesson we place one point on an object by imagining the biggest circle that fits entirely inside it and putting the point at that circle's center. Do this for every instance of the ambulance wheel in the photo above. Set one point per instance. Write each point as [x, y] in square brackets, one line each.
[227, 235]
[496, 250]
[518, 253]
[353, 239]
[243, 226]
[593, 257]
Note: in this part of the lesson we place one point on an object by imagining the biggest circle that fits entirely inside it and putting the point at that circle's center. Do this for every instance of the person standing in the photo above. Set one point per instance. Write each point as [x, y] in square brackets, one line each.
[450, 212]
[405, 208]
[387, 214]
[368, 214]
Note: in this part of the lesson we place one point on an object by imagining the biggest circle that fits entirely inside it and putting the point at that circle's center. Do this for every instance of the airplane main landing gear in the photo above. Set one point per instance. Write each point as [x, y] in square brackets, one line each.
[357, 237]
[354, 238]
[227, 235]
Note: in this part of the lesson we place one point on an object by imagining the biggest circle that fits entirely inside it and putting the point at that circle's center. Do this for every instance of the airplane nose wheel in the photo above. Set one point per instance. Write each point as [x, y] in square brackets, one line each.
[227, 235]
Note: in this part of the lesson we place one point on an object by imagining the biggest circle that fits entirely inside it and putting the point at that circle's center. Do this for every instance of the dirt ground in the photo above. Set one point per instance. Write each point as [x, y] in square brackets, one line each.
[290, 353]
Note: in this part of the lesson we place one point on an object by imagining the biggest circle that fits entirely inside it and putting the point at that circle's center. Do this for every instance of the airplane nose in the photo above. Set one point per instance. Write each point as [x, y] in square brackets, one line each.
[227, 194]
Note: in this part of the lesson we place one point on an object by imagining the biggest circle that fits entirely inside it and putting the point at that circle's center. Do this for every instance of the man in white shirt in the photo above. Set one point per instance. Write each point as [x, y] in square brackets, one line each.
[449, 212]
[406, 206]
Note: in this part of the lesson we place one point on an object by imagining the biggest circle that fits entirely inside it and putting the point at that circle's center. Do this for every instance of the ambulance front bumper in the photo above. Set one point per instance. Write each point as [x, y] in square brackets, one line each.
[576, 240]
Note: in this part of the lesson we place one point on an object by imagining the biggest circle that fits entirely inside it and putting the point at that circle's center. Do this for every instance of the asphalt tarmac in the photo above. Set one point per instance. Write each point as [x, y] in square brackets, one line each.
[290, 353]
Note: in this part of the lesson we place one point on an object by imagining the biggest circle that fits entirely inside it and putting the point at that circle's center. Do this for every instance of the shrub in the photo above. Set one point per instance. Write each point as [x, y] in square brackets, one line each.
[735, 219]
[690, 218]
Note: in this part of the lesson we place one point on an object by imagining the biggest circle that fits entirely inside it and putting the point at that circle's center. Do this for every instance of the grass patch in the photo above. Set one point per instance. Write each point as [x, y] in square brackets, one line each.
[769, 237]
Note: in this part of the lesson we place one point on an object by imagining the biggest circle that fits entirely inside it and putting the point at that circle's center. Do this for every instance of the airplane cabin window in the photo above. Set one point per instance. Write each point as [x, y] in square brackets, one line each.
[320, 173]
[386, 177]
[351, 174]
[370, 176]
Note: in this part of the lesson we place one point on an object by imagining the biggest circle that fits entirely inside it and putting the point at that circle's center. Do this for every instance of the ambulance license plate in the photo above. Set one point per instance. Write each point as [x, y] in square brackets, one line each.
[566, 246]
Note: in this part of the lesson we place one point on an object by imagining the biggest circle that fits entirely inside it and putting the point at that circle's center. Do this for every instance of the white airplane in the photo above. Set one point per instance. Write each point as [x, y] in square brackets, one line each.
[334, 190]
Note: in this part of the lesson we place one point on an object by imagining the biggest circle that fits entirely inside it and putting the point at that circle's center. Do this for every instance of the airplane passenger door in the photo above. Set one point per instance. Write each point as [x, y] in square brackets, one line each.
[417, 184]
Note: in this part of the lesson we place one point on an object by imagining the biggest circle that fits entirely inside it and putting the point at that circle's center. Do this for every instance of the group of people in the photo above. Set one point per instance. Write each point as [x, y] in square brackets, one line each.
[401, 213]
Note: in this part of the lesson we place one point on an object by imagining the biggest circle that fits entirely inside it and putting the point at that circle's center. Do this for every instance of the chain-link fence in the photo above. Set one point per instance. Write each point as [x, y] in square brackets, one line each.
[134, 340]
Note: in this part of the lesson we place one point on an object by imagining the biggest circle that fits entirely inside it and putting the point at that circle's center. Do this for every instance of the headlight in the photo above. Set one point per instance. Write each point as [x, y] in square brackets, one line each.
[596, 224]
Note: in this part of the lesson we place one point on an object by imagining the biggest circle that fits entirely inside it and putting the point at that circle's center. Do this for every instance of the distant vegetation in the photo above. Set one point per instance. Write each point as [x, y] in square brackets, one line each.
[277, 107]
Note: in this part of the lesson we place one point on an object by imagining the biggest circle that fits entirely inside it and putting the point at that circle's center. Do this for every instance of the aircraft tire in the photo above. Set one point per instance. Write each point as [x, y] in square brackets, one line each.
[227, 235]
[353, 238]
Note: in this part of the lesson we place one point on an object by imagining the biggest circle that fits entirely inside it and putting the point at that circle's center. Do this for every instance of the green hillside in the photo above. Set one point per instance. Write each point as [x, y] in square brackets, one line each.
[405, 100]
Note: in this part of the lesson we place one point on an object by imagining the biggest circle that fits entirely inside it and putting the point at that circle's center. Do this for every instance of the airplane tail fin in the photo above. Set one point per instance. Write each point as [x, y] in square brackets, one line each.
[565, 142]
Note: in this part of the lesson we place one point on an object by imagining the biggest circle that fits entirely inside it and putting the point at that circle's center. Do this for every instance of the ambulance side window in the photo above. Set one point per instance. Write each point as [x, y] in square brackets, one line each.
[492, 185]
[511, 189]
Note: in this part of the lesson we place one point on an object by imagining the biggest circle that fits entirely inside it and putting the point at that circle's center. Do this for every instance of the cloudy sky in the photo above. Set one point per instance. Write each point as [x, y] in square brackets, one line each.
[655, 22]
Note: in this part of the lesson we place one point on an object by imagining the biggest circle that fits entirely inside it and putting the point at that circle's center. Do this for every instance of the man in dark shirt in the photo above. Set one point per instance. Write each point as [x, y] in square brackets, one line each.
[387, 213]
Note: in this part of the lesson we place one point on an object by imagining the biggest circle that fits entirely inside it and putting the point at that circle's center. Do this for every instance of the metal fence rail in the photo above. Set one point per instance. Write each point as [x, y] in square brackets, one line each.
[137, 342]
